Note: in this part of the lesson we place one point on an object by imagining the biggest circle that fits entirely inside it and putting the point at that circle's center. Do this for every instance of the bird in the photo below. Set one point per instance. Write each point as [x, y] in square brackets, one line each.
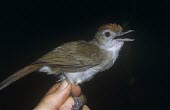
[79, 60]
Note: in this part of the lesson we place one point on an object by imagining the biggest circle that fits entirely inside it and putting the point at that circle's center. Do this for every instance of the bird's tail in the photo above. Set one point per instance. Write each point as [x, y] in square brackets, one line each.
[19, 74]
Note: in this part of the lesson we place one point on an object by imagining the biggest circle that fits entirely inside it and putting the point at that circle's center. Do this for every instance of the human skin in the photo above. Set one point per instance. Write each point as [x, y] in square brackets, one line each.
[58, 97]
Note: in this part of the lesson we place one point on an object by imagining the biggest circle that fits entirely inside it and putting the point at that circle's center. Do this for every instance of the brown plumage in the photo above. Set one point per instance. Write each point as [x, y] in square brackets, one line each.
[72, 57]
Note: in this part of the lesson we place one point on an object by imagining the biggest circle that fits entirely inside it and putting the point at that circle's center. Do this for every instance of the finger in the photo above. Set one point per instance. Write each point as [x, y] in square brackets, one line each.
[83, 99]
[53, 88]
[85, 107]
[76, 90]
[68, 104]
[54, 100]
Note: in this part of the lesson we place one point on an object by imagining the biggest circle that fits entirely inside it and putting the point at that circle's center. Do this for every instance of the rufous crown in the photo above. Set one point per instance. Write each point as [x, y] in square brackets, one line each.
[114, 27]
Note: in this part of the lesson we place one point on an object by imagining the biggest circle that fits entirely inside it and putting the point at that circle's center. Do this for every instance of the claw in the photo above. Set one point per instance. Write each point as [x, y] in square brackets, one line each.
[77, 103]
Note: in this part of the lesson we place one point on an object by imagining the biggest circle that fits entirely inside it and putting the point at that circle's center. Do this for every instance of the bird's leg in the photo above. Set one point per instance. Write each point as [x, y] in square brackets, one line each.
[78, 103]
[61, 77]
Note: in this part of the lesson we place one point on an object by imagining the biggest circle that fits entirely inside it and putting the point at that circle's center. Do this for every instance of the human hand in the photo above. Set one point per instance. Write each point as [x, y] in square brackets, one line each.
[58, 97]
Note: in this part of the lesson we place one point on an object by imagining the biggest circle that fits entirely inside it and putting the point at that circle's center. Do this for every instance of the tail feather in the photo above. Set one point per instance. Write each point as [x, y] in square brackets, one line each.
[19, 74]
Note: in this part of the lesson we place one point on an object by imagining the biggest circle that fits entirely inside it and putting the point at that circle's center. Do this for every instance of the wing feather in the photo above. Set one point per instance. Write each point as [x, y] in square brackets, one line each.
[73, 56]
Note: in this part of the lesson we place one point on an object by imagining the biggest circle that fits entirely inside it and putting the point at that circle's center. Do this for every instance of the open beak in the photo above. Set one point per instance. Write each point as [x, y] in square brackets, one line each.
[123, 33]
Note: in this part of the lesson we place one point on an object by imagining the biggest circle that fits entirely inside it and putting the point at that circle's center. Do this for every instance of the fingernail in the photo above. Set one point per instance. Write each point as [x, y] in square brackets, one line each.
[66, 108]
[63, 85]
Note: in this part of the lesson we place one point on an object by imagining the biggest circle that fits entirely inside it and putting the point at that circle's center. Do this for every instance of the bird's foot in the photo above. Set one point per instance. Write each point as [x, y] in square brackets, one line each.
[77, 103]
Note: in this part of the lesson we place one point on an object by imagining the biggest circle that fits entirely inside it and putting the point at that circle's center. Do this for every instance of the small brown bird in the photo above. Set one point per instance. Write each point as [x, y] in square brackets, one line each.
[79, 60]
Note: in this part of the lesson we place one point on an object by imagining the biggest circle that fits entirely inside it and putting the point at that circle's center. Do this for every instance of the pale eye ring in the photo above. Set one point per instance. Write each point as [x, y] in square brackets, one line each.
[107, 34]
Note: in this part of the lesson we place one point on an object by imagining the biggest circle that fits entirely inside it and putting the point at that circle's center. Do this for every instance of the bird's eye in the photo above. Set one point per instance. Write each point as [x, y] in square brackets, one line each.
[107, 34]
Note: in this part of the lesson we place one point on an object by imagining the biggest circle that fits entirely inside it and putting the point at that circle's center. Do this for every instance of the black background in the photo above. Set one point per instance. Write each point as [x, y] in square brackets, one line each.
[137, 81]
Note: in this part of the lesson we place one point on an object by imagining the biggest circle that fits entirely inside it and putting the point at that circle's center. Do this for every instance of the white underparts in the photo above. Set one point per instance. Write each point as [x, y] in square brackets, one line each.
[83, 76]
[46, 69]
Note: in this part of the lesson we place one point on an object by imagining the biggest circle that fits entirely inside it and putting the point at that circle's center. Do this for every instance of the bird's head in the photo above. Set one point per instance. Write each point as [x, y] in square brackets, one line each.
[109, 35]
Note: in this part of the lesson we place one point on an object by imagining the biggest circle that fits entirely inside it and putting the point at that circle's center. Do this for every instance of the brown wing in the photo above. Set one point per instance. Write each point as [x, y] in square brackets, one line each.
[73, 56]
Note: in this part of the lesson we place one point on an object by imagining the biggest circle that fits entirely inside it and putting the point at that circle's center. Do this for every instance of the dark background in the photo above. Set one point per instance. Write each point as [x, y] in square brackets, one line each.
[137, 81]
